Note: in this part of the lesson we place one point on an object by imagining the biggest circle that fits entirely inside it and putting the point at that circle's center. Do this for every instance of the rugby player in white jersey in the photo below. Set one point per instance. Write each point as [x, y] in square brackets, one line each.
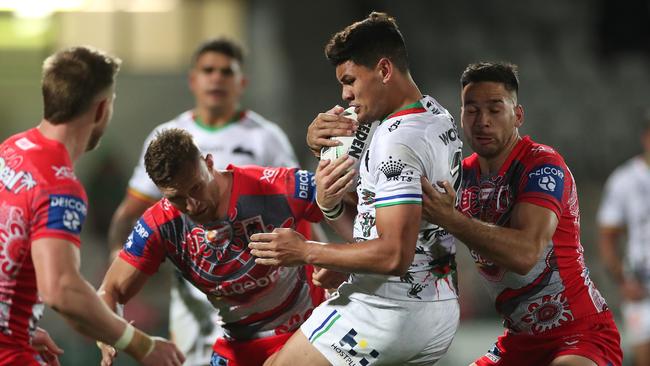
[232, 135]
[399, 305]
[625, 210]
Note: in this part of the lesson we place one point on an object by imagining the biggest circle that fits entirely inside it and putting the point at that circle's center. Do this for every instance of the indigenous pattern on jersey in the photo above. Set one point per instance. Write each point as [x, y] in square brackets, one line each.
[419, 140]
[40, 197]
[247, 140]
[626, 204]
[253, 300]
[558, 289]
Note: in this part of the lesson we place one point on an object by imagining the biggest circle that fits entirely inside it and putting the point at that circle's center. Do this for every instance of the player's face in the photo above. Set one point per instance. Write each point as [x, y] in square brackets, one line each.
[490, 117]
[362, 87]
[100, 127]
[194, 193]
[217, 81]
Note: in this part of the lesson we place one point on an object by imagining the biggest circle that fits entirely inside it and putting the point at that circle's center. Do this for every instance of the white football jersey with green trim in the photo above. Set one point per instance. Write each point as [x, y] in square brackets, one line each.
[418, 140]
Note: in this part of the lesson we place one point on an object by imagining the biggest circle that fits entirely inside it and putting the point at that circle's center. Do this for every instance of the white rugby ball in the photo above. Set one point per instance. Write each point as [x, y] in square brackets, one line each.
[335, 152]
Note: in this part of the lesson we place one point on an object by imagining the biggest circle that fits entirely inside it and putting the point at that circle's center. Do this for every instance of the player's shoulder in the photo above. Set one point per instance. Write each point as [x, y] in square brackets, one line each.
[159, 213]
[535, 153]
[255, 179]
[32, 160]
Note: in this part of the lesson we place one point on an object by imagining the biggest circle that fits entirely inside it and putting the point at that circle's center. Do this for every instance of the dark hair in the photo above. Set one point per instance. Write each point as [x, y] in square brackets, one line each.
[499, 72]
[168, 153]
[367, 41]
[72, 79]
[221, 45]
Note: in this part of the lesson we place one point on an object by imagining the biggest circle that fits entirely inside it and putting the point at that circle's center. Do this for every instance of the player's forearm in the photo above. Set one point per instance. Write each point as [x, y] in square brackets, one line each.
[77, 302]
[509, 248]
[380, 256]
[610, 257]
[344, 225]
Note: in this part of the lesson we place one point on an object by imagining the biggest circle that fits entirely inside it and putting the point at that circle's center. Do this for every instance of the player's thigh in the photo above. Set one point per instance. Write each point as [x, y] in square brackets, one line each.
[572, 360]
[297, 351]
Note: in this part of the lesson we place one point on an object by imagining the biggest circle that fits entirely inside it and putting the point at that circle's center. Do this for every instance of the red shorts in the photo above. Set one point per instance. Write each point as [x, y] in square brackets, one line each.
[594, 337]
[23, 357]
[246, 353]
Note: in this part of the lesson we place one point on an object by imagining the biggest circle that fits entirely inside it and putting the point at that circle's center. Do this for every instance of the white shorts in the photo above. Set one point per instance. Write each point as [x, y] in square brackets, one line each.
[193, 337]
[636, 316]
[359, 329]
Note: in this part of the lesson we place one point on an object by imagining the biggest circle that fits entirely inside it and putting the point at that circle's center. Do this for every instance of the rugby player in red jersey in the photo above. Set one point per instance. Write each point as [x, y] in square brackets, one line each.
[42, 209]
[518, 214]
[202, 225]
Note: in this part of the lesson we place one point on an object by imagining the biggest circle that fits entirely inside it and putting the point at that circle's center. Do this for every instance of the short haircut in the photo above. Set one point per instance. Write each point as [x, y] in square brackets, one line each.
[367, 41]
[72, 79]
[168, 154]
[221, 45]
[499, 72]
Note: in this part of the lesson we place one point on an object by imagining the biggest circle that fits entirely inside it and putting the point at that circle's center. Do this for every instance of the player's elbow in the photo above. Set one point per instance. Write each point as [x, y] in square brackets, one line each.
[529, 259]
[398, 264]
[55, 295]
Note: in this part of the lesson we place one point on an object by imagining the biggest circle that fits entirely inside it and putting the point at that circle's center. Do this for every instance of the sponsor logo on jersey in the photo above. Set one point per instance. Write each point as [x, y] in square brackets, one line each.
[394, 126]
[217, 360]
[250, 283]
[269, 175]
[64, 172]
[547, 179]
[137, 240]
[24, 144]
[494, 354]
[392, 169]
[360, 140]
[350, 346]
[15, 181]
[305, 185]
[66, 212]
[450, 135]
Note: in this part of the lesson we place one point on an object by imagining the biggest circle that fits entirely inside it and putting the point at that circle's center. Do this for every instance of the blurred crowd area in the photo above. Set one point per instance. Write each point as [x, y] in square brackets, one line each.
[585, 83]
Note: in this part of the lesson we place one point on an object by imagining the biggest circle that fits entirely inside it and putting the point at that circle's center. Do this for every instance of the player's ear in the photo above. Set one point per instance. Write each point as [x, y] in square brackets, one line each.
[101, 109]
[244, 82]
[519, 115]
[385, 69]
[209, 161]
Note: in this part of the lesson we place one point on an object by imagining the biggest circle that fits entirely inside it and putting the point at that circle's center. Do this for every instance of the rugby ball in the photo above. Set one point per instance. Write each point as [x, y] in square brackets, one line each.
[335, 152]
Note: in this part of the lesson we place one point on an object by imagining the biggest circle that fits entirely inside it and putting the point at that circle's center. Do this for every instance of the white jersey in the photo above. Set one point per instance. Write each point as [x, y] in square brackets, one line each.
[250, 140]
[418, 140]
[626, 204]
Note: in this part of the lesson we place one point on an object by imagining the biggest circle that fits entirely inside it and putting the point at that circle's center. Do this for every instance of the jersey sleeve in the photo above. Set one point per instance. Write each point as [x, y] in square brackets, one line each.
[140, 185]
[60, 212]
[301, 195]
[144, 249]
[397, 173]
[278, 150]
[612, 211]
[546, 183]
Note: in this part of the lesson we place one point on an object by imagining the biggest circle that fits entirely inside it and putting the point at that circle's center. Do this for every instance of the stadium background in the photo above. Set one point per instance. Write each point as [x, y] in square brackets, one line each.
[585, 82]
